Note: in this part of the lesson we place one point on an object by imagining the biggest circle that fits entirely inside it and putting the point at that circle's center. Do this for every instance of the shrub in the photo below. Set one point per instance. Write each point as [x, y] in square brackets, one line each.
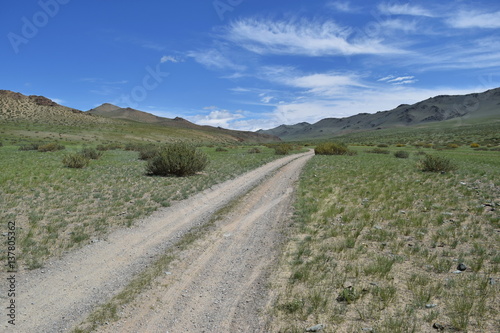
[254, 151]
[402, 154]
[331, 148]
[1, 143]
[148, 152]
[90, 153]
[220, 149]
[76, 161]
[400, 145]
[382, 145]
[29, 146]
[474, 145]
[283, 149]
[434, 163]
[178, 159]
[452, 145]
[378, 151]
[50, 147]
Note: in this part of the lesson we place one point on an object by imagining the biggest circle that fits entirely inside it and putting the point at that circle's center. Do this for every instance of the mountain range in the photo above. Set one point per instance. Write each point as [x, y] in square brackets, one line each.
[462, 109]
[466, 108]
[18, 108]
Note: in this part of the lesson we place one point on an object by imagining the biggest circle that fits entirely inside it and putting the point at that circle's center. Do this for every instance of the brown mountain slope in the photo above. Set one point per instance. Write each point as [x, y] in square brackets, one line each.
[16, 107]
[115, 112]
[112, 122]
[469, 107]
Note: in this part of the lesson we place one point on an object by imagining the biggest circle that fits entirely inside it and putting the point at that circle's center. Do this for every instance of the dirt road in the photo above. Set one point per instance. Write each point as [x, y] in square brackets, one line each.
[217, 286]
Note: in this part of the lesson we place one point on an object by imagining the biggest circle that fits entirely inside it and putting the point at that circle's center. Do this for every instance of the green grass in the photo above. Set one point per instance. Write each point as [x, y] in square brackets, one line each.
[58, 208]
[397, 235]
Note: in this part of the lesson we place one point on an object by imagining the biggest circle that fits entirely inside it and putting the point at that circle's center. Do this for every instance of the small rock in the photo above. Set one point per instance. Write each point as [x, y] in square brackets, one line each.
[457, 272]
[348, 285]
[438, 327]
[367, 329]
[315, 328]
[430, 306]
[492, 281]
[461, 267]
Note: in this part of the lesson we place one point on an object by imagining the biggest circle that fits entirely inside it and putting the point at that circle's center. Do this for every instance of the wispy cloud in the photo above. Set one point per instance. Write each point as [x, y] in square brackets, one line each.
[398, 80]
[342, 6]
[169, 59]
[405, 9]
[321, 84]
[303, 37]
[475, 19]
[214, 59]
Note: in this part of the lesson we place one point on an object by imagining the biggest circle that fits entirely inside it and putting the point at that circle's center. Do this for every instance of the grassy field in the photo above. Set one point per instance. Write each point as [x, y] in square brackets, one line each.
[376, 244]
[57, 208]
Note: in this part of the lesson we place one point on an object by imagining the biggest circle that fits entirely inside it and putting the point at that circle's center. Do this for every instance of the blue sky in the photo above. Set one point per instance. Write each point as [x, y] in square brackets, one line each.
[249, 64]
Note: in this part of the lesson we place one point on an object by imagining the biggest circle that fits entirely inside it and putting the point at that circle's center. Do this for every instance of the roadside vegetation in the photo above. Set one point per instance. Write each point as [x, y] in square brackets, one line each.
[379, 245]
[64, 199]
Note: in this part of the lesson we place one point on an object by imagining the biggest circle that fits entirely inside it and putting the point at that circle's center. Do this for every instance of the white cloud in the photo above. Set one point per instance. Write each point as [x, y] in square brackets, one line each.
[341, 6]
[303, 37]
[214, 59]
[216, 117]
[401, 25]
[406, 9]
[401, 80]
[475, 19]
[321, 84]
[169, 59]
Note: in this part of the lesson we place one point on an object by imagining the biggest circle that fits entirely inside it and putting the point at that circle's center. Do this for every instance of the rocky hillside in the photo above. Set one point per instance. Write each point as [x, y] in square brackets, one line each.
[437, 109]
[16, 107]
[19, 108]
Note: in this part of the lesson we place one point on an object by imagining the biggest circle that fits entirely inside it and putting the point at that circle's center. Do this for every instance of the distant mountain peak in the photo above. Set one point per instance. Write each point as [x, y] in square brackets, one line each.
[106, 107]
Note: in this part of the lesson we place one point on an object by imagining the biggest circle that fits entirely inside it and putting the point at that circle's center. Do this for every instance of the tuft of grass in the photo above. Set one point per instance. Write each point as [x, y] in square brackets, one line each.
[75, 161]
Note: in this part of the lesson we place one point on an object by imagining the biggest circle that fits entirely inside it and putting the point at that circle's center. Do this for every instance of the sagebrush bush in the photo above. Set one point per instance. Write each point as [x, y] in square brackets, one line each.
[178, 159]
[254, 151]
[29, 146]
[91, 153]
[220, 149]
[50, 147]
[331, 148]
[148, 152]
[283, 149]
[402, 154]
[432, 163]
[474, 145]
[76, 161]
[378, 151]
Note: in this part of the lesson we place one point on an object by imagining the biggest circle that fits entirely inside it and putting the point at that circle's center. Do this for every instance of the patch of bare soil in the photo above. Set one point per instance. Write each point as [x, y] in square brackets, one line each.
[217, 286]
